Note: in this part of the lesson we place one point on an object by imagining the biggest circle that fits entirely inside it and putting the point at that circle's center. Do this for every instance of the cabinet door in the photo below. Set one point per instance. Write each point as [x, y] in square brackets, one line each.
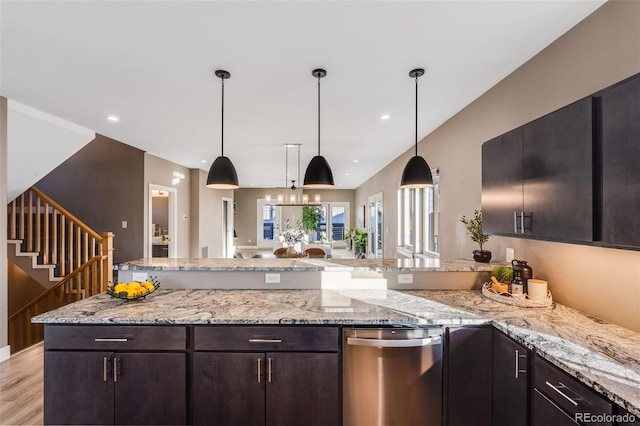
[546, 413]
[150, 389]
[228, 389]
[303, 389]
[78, 388]
[510, 377]
[558, 174]
[502, 182]
[620, 171]
[469, 355]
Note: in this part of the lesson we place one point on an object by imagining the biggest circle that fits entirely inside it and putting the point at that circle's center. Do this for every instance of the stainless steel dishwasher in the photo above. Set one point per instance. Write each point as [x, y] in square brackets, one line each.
[392, 376]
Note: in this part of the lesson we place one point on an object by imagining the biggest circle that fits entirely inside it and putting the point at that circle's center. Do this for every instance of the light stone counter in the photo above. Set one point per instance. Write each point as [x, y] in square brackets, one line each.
[603, 356]
[303, 265]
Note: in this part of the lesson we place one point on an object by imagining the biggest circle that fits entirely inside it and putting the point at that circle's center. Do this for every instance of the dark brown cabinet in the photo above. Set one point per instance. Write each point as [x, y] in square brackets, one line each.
[274, 376]
[468, 377]
[510, 382]
[91, 379]
[537, 180]
[620, 106]
[560, 399]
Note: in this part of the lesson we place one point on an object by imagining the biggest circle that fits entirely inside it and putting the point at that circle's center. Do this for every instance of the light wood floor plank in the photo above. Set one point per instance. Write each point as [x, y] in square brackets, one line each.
[22, 387]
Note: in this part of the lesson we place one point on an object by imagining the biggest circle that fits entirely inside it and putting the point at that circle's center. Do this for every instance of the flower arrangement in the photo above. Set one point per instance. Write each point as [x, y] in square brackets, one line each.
[291, 236]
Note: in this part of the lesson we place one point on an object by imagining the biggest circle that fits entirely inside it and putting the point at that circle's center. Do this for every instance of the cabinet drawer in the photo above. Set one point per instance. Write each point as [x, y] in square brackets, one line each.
[115, 337]
[276, 338]
[567, 392]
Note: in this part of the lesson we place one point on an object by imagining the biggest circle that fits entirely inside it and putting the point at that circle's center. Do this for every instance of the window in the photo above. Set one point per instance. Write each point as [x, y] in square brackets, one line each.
[418, 218]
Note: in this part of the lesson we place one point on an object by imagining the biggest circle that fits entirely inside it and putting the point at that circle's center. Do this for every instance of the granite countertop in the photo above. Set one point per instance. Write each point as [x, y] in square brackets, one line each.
[601, 355]
[304, 265]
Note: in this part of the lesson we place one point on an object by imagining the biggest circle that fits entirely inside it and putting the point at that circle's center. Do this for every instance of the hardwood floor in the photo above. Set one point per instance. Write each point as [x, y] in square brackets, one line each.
[21, 387]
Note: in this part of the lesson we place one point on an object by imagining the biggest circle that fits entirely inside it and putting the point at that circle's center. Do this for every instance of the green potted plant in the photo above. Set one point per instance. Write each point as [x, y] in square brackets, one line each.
[311, 217]
[359, 240]
[474, 229]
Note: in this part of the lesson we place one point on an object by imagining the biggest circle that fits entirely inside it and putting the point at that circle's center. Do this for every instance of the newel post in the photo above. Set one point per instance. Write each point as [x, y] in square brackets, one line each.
[107, 259]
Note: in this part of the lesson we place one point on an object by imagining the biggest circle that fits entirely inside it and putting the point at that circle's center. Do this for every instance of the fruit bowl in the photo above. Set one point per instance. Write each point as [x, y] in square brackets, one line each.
[133, 290]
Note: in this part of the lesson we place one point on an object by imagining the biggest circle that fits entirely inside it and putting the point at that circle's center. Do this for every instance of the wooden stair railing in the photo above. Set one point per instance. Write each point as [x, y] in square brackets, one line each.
[81, 283]
[62, 240]
[81, 256]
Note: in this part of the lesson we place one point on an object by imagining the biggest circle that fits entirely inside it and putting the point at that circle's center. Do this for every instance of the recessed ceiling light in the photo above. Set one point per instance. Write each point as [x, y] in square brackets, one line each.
[356, 161]
[203, 161]
[385, 117]
[113, 118]
[346, 174]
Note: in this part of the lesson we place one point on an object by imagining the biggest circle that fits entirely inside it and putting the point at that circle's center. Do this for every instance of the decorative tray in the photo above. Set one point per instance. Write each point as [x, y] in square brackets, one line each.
[522, 302]
[133, 290]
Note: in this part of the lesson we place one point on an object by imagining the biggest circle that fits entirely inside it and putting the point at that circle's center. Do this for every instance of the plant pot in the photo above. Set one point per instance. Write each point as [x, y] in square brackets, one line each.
[483, 256]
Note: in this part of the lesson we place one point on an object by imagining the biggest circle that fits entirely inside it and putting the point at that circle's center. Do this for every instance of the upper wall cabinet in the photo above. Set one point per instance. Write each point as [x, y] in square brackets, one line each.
[537, 180]
[620, 106]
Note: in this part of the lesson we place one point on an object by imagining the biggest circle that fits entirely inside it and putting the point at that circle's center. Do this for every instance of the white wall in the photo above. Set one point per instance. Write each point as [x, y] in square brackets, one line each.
[601, 50]
[32, 131]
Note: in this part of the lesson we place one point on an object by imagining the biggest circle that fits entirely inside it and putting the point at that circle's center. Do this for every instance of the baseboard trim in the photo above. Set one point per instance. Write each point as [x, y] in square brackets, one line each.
[5, 353]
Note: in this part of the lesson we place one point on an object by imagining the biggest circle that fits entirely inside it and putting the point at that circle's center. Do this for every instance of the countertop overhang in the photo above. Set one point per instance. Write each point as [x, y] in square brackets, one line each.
[604, 356]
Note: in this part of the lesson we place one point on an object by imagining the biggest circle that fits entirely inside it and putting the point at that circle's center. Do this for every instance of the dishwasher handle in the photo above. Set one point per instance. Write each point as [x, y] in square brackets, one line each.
[394, 343]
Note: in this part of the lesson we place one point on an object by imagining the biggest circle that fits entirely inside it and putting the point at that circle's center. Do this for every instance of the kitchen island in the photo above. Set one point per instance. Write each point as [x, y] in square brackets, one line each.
[604, 357]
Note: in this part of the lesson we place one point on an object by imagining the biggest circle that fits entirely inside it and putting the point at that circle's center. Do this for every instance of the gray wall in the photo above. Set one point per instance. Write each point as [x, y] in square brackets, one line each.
[601, 50]
[160, 212]
[161, 172]
[102, 184]
[206, 212]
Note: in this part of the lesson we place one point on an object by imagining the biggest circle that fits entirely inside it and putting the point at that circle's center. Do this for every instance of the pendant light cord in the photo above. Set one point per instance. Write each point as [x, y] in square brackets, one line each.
[416, 116]
[222, 120]
[319, 115]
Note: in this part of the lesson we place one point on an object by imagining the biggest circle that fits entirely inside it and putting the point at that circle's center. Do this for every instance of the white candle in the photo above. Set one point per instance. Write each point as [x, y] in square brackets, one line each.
[537, 289]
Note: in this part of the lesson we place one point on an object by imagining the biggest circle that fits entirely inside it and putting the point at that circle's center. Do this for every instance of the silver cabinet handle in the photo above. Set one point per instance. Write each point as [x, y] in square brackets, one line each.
[104, 369]
[393, 343]
[110, 339]
[515, 222]
[115, 369]
[517, 363]
[265, 340]
[575, 404]
[522, 221]
[259, 369]
[269, 369]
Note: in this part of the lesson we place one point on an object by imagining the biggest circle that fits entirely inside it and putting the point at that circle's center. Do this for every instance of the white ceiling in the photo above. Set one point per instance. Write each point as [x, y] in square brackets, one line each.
[151, 64]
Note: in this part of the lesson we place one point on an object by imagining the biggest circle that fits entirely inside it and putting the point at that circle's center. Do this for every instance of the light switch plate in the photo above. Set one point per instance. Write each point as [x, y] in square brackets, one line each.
[405, 278]
[510, 254]
[272, 278]
[139, 276]
[124, 224]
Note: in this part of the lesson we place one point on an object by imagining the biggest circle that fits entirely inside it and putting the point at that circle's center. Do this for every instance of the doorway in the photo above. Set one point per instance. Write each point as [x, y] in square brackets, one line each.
[163, 235]
[228, 246]
[375, 226]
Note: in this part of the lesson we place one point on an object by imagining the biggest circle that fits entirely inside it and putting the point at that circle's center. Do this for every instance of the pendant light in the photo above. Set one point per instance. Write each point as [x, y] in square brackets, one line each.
[222, 174]
[417, 173]
[318, 174]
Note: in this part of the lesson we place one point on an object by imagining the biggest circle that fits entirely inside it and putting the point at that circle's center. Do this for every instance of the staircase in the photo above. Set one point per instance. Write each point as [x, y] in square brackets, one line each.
[69, 259]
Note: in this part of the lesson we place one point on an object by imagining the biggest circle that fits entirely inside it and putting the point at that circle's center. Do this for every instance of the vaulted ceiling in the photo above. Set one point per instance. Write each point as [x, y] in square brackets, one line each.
[150, 63]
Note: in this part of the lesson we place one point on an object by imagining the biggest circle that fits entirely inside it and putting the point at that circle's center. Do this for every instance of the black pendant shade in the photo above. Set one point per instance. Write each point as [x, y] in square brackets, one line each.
[318, 174]
[417, 173]
[222, 174]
